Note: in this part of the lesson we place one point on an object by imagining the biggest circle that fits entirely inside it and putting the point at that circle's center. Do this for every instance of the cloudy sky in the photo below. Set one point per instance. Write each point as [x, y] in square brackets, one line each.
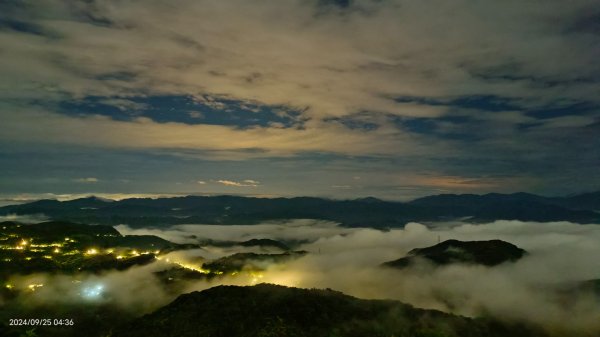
[390, 98]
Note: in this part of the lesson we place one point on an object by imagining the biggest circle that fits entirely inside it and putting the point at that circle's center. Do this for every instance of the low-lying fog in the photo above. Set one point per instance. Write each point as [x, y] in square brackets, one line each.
[534, 288]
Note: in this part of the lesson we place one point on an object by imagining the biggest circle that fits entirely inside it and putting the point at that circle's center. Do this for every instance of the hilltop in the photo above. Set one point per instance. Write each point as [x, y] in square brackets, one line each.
[487, 253]
[271, 310]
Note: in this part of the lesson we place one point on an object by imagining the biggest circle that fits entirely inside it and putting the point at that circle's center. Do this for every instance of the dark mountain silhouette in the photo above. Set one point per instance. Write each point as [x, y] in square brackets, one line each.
[517, 206]
[488, 253]
[264, 243]
[248, 261]
[270, 310]
[50, 230]
[585, 201]
[366, 212]
[99, 235]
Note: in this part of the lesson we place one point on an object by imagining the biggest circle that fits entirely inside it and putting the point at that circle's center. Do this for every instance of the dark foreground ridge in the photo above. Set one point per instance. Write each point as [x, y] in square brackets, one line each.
[271, 310]
[487, 253]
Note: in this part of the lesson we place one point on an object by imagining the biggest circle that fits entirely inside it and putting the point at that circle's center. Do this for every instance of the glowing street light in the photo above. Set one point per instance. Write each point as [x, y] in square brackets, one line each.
[34, 286]
[91, 251]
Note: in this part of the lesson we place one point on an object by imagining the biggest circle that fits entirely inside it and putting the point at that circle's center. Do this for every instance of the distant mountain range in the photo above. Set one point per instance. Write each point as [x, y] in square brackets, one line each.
[368, 212]
[271, 310]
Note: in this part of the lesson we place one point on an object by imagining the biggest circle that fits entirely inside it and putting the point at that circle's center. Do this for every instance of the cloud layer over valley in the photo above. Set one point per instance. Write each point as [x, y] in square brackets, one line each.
[544, 287]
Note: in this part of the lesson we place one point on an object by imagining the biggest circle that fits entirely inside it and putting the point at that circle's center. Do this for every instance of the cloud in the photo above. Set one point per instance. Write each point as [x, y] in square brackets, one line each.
[561, 254]
[33, 218]
[533, 289]
[134, 290]
[146, 134]
[326, 63]
[290, 230]
[196, 114]
[244, 183]
[449, 182]
[201, 182]
[295, 53]
[91, 180]
[331, 61]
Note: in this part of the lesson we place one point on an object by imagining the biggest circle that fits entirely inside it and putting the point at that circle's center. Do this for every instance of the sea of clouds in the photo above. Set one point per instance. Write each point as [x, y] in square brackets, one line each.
[543, 287]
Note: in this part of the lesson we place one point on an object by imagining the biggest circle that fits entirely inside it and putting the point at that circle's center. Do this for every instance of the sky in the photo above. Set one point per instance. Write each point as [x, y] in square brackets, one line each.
[345, 99]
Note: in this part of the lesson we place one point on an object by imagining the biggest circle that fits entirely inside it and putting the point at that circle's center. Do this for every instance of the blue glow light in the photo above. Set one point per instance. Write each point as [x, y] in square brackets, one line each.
[93, 291]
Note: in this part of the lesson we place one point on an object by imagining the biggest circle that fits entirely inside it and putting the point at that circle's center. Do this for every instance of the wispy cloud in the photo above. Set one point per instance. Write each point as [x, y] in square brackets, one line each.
[243, 183]
[89, 180]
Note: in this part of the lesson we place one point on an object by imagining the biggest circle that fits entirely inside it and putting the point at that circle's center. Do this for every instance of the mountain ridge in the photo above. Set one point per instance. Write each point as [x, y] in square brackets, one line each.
[274, 310]
[362, 212]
